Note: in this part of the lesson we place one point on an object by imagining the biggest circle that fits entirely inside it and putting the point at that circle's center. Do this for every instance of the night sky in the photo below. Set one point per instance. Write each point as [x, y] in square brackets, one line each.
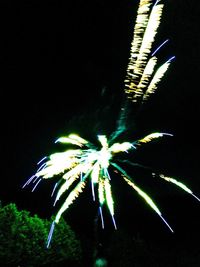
[62, 69]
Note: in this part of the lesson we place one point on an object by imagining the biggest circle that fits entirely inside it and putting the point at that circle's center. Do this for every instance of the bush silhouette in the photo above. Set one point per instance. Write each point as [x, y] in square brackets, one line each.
[23, 240]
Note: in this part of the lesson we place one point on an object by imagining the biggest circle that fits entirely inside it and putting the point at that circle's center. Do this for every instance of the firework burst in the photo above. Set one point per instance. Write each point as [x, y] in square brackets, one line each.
[84, 162]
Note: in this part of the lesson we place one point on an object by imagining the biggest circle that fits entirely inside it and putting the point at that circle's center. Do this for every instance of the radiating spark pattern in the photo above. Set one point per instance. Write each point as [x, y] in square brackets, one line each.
[94, 165]
[76, 166]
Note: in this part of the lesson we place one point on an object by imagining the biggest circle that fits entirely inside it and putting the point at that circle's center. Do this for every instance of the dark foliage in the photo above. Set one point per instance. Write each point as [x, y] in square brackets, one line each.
[23, 240]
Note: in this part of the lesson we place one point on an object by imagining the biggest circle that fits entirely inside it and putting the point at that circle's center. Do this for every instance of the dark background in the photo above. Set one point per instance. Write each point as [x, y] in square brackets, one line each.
[64, 62]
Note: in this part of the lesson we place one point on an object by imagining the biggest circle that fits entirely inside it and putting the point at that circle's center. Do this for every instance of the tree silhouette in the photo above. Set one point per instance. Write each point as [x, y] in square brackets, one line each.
[23, 240]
